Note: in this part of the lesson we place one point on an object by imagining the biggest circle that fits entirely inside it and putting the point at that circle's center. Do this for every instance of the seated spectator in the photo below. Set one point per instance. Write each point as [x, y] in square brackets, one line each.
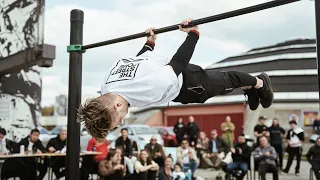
[313, 157]
[241, 157]
[217, 150]
[3, 148]
[165, 173]
[316, 125]
[177, 173]
[98, 145]
[33, 144]
[187, 157]
[202, 148]
[155, 151]
[129, 163]
[265, 158]
[55, 145]
[111, 168]
[145, 168]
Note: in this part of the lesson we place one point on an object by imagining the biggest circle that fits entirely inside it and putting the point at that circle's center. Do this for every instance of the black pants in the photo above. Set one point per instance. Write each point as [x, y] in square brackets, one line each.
[265, 168]
[316, 169]
[279, 150]
[200, 85]
[57, 164]
[293, 151]
[159, 161]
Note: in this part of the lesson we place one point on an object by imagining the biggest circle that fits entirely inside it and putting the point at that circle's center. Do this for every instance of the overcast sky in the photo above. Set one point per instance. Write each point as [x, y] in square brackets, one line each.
[111, 19]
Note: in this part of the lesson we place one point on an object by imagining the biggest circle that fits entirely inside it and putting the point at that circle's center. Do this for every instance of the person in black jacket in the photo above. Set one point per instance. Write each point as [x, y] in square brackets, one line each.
[241, 157]
[193, 131]
[313, 157]
[32, 144]
[55, 145]
[179, 129]
[124, 142]
[276, 133]
[295, 137]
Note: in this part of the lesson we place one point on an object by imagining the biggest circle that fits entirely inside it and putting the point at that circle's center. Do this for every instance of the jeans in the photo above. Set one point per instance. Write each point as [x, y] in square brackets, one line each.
[233, 167]
[130, 163]
[192, 165]
[279, 150]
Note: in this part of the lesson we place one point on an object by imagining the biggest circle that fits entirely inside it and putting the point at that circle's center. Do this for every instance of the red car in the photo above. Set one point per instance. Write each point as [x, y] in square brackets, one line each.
[168, 136]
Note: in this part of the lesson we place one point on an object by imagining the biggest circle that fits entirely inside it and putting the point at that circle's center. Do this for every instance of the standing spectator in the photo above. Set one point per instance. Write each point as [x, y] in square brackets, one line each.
[192, 131]
[217, 150]
[313, 157]
[228, 129]
[98, 145]
[295, 137]
[260, 129]
[241, 157]
[3, 148]
[58, 144]
[166, 172]
[155, 151]
[179, 129]
[316, 125]
[276, 133]
[187, 157]
[111, 168]
[145, 168]
[265, 157]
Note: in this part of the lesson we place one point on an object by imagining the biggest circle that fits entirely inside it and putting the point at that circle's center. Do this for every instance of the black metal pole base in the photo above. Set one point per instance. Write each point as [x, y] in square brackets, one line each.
[74, 96]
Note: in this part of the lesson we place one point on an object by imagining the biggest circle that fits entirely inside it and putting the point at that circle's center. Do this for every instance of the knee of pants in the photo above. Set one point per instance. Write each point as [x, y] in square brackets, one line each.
[244, 167]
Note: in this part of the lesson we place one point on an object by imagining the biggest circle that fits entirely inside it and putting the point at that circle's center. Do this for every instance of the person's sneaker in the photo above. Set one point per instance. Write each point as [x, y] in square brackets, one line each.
[265, 93]
[253, 98]
[283, 173]
[297, 174]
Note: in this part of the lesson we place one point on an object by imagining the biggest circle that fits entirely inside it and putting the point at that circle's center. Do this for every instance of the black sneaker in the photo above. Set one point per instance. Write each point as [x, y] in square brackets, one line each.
[265, 93]
[253, 98]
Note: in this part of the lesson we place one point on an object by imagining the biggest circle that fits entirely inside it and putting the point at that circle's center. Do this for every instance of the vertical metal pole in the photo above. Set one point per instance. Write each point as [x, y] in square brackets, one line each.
[74, 96]
[317, 8]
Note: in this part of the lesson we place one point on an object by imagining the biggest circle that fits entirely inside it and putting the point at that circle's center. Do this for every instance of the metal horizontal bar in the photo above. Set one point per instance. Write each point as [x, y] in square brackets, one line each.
[213, 18]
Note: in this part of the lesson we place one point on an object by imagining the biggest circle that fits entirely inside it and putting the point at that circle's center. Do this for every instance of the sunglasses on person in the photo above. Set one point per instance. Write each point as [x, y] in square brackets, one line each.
[153, 139]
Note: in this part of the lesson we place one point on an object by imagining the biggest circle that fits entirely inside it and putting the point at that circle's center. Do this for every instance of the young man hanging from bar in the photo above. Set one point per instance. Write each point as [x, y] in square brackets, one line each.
[149, 79]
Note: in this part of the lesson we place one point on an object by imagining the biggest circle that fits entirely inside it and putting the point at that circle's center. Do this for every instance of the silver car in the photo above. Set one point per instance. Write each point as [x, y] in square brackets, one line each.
[139, 134]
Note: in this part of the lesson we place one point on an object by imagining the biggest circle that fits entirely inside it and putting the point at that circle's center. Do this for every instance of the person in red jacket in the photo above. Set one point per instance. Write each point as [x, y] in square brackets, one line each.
[98, 145]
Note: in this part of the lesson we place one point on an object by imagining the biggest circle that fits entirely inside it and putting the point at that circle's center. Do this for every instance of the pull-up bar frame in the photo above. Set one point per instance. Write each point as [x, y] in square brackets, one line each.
[75, 67]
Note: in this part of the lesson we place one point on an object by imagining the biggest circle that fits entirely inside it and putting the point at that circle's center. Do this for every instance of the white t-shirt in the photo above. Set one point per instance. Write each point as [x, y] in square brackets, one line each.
[185, 156]
[143, 80]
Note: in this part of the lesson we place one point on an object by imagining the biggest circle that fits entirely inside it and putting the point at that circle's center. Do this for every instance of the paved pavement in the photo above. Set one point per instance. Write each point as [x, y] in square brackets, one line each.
[304, 173]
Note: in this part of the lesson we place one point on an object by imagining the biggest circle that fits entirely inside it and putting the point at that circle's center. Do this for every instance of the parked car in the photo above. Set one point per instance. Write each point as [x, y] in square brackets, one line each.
[168, 136]
[45, 135]
[139, 134]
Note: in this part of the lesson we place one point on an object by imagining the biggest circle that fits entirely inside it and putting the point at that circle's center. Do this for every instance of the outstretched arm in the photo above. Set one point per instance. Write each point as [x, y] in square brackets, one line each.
[182, 57]
[149, 45]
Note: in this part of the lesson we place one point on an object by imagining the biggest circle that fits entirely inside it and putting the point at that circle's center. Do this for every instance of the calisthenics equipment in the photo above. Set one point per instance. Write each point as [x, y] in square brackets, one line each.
[76, 49]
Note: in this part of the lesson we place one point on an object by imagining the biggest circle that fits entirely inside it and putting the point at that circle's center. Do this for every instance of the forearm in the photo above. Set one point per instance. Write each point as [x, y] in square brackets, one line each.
[148, 46]
[183, 55]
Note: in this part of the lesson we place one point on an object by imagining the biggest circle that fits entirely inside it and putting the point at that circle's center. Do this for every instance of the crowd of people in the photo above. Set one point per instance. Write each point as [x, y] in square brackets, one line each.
[30, 167]
[194, 150]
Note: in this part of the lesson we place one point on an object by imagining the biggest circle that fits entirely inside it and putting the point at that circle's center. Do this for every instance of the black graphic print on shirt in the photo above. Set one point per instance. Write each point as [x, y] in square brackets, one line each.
[125, 69]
